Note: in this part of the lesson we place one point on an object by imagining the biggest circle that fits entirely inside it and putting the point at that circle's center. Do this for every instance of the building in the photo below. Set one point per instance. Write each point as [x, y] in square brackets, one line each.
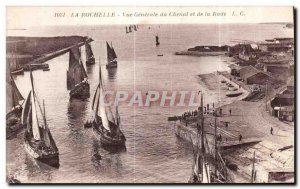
[286, 113]
[234, 69]
[283, 106]
[274, 47]
[251, 75]
[279, 66]
[290, 87]
[247, 53]
[285, 40]
[278, 45]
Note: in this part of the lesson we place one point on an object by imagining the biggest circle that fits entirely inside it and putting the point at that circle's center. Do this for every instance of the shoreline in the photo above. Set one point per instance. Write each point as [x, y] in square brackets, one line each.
[212, 81]
[253, 126]
[197, 53]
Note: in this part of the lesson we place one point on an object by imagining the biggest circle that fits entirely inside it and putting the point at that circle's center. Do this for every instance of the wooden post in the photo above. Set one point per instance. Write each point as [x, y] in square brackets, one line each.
[267, 95]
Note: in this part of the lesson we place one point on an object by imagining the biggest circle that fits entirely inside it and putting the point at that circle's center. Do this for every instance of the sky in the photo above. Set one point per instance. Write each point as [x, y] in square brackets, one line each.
[24, 17]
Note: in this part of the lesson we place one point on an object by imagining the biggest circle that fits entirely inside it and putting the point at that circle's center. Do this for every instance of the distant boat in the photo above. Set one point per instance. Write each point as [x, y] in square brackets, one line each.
[14, 108]
[90, 59]
[46, 69]
[111, 57]
[106, 126]
[77, 81]
[232, 89]
[39, 142]
[129, 28]
[134, 27]
[234, 94]
[157, 40]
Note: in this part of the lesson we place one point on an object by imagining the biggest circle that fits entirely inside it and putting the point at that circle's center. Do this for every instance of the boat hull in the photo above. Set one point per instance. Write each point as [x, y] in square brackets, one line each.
[234, 94]
[13, 122]
[113, 64]
[81, 91]
[49, 159]
[106, 140]
[90, 61]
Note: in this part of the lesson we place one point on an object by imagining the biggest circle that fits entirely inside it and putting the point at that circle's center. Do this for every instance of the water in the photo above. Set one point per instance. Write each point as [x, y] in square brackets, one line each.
[153, 153]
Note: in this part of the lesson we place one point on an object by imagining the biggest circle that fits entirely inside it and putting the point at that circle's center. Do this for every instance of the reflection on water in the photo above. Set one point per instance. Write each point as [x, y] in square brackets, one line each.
[153, 153]
[112, 74]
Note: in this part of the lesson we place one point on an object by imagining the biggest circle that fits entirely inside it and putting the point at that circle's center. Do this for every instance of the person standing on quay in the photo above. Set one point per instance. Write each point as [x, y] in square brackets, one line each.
[230, 111]
[240, 138]
[271, 130]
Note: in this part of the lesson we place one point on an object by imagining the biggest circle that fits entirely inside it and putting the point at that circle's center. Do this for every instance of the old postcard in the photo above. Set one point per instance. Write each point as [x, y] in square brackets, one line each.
[150, 95]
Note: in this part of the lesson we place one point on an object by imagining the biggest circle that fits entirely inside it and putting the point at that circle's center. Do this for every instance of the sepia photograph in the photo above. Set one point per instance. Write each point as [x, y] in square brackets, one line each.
[150, 95]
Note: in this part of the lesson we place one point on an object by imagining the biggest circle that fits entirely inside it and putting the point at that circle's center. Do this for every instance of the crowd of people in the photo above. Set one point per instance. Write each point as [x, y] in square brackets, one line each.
[188, 115]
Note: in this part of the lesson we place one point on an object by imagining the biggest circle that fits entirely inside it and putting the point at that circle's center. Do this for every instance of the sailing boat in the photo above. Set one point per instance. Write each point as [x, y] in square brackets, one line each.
[201, 170]
[16, 69]
[129, 28]
[39, 142]
[76, 76]
[111, 57]
[13, 106]
[90, 59]
[157, 40]
[134, 27]
[106, 126]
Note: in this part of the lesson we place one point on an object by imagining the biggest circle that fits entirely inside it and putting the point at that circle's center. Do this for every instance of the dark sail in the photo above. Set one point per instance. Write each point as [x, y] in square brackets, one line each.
[74, 57]
[13, 94]
[16, 95]
[129, 28]
[88, 51]
[157, 40]
[114, 53]
[26, 110]
[76, 73]
[134, 27]
[110, 53]
[126, 29]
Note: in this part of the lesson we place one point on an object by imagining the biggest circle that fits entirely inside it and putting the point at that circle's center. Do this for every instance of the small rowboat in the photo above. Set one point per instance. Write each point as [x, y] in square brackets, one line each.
[234, 94]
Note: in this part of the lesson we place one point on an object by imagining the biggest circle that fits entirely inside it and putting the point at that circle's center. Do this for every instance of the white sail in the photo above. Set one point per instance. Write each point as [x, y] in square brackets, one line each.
[103, 113]
[35, 125]
[206, 174]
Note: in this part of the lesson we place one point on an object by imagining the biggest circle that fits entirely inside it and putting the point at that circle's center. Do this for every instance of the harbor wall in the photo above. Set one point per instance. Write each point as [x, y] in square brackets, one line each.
[39, 48]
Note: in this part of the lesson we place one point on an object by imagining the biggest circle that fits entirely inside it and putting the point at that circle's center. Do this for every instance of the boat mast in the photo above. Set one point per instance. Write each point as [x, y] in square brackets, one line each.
[215, 155]
[117, 116]
[35, 121]
[45, 124]
[253, 173]
[12, 92]
[202, 138]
